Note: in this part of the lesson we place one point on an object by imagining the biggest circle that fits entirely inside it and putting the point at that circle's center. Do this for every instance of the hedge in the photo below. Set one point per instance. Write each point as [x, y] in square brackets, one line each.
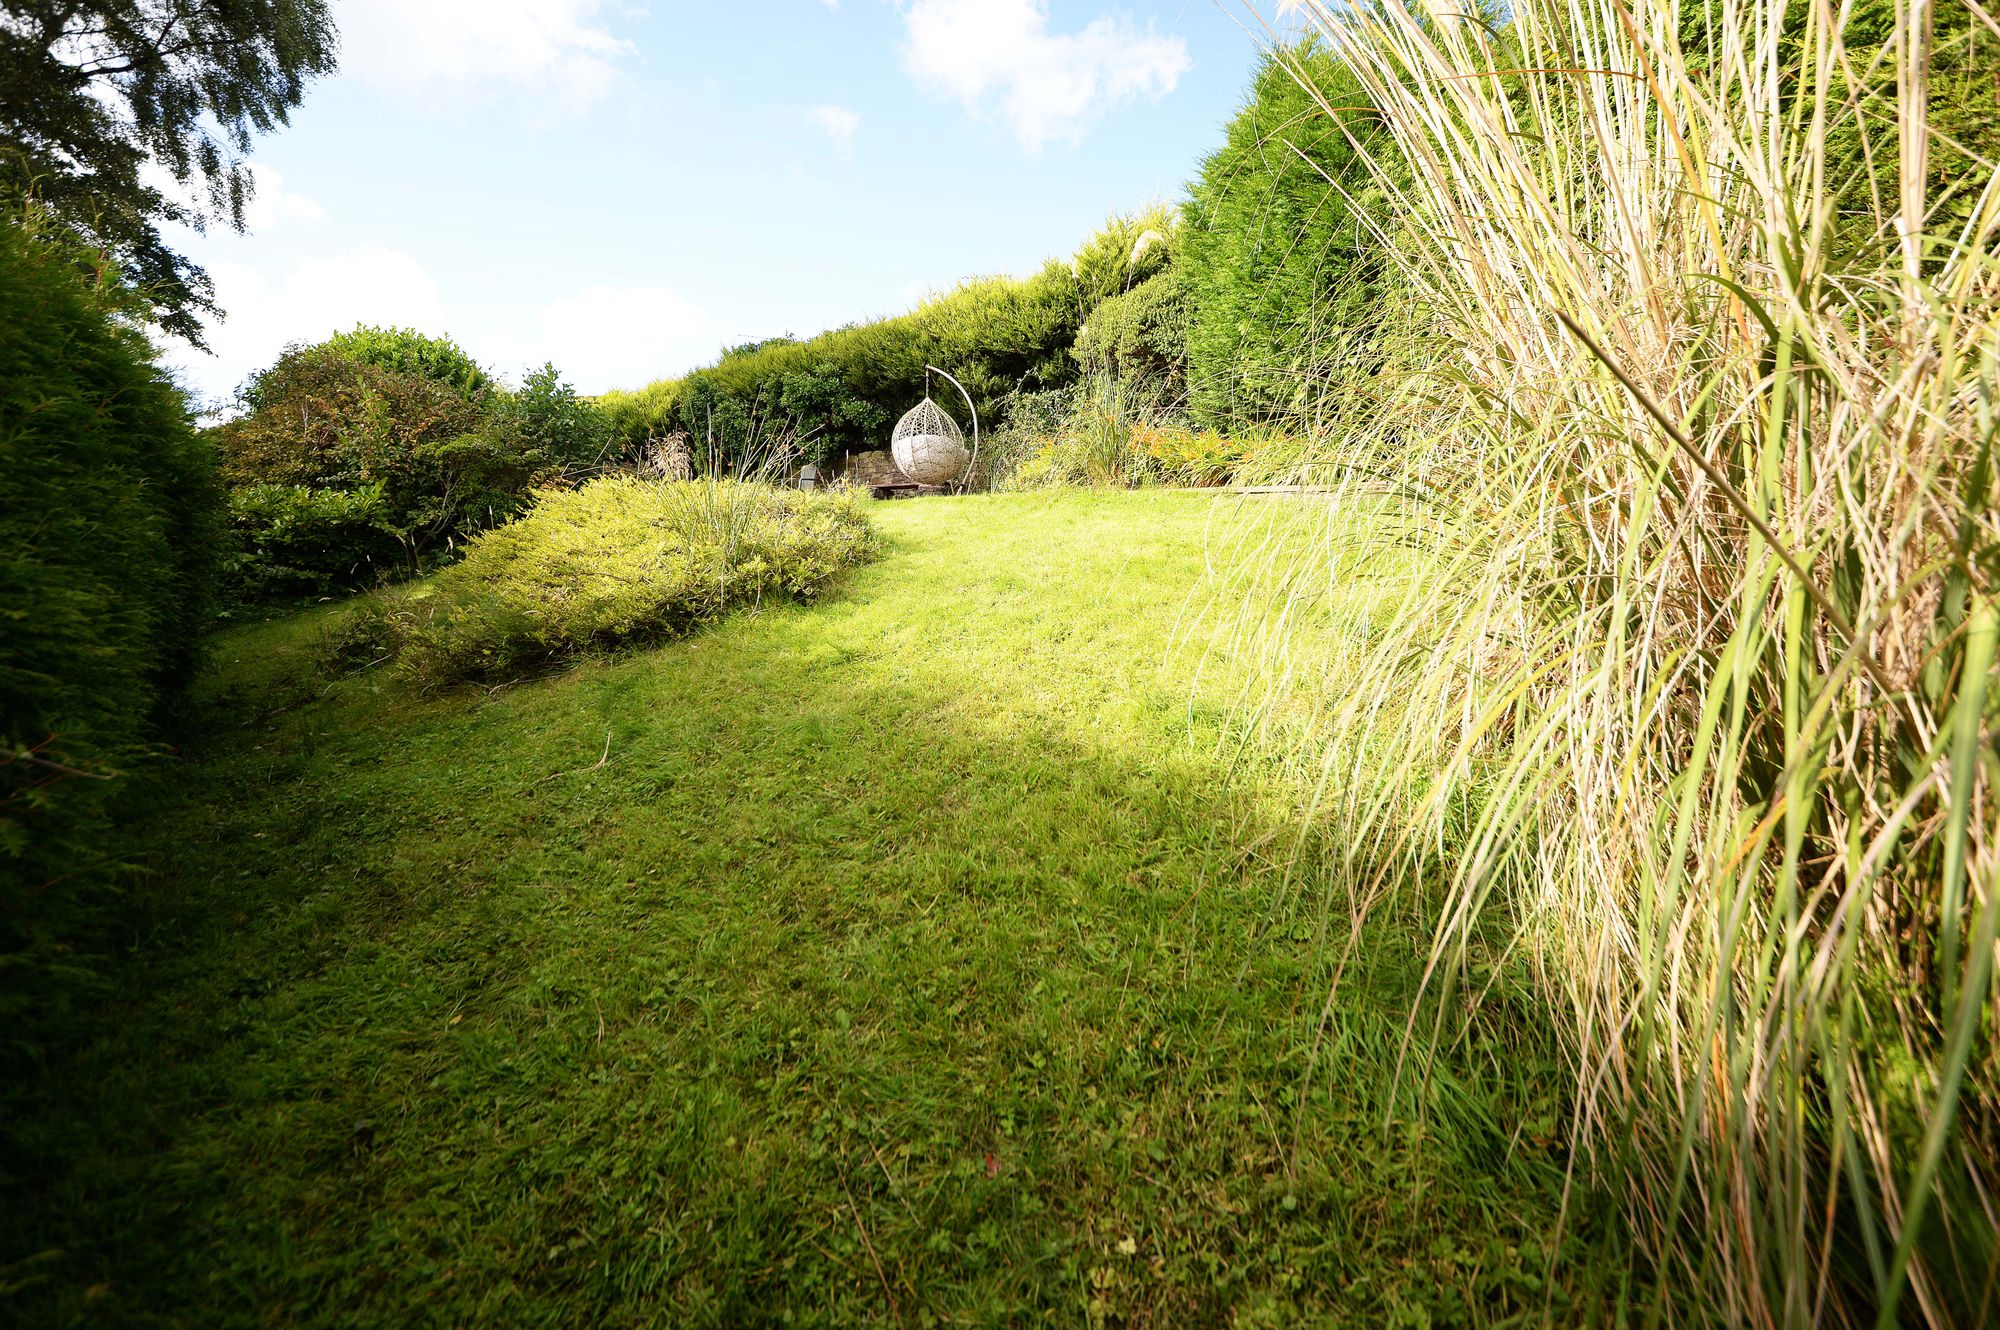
[110, 529]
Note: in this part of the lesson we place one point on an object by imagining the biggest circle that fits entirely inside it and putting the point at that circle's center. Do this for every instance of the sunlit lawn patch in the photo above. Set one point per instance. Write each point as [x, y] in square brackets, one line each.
[912, 958]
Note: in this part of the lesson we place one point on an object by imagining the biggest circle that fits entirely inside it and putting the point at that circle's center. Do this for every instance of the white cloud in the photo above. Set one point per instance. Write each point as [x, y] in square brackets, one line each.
[999, 56]
[431, 50]
[314, 299]
[269, 203]
[839, 125]
[617, 337]
[272, 203]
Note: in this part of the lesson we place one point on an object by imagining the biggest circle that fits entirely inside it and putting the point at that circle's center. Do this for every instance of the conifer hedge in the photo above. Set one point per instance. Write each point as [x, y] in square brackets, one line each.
[110, 526]
[844, 389]
[1286, 282]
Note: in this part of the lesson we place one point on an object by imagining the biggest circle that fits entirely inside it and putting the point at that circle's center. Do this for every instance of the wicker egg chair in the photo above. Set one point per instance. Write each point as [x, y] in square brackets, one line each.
[927, 444]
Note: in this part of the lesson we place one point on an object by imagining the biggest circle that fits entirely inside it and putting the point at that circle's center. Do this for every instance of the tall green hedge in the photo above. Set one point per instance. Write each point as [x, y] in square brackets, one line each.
[110, 524]
[844, 389]
[1286, 282]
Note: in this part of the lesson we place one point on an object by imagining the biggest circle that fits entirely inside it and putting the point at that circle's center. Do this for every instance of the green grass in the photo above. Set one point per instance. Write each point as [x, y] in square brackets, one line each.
[909, 959]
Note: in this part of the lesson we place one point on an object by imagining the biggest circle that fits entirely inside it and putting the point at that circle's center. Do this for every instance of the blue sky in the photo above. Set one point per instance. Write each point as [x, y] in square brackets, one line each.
[625, 188]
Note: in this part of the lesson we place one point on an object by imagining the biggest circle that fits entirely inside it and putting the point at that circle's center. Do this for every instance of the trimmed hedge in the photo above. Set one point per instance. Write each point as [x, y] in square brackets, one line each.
[843, 390]
[1140, 337]
[1287, 284]
[110, 530]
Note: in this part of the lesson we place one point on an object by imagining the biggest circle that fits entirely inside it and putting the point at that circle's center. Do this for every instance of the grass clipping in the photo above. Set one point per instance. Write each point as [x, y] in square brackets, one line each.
[616, 562]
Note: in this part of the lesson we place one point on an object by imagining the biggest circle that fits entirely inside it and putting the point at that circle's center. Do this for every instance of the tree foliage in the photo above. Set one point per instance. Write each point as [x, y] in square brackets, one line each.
[327, 422]
[376, 451]
[546, 416]
[1963, 144]
[95, 95]
[438, 359]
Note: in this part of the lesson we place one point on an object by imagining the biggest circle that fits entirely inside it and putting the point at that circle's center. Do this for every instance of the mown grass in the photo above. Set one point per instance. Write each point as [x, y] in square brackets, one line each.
[916, 958]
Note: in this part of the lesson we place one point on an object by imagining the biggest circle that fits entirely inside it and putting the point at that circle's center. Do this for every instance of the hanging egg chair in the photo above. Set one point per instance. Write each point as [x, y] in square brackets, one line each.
[927, 445]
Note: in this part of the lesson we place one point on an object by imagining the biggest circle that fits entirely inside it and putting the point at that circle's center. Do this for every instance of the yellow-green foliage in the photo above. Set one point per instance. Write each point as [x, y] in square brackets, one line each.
[1127, 250]
[844, 389]
[1096, 447]
[621, 560]
[654, 410]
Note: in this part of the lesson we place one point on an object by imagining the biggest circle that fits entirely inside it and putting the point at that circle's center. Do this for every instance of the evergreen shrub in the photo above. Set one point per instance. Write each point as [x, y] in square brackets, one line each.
[110, 531]
[439, 359]
[378, 451]
[618, 561]
[1288, 288]
[845, 389]
[1141, 335]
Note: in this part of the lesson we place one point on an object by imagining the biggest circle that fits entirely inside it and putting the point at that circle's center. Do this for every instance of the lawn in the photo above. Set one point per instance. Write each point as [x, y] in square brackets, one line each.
[926, 956]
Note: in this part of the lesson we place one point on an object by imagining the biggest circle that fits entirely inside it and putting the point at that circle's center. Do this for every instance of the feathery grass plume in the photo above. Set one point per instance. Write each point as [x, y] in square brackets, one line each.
[1691, 723]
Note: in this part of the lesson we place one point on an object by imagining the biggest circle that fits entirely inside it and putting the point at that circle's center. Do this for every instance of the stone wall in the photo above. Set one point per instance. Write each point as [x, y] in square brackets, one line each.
[873, 468]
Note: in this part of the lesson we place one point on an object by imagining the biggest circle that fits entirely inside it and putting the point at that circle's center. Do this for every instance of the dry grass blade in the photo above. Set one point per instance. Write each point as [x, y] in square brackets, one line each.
[1695, 741]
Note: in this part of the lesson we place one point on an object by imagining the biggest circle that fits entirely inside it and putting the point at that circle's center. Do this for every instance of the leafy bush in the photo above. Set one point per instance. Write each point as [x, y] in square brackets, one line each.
[1287, 281]
[619, 561]
[1141, 336]
[109, 536]
[1120, 432]
[409, 422]
[407, 351]
[815, 400]
[1028, 420]
[548, 418]
[298, 540]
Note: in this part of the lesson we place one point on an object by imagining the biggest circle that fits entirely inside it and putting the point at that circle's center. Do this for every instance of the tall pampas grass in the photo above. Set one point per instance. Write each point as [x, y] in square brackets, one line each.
[1688, 717]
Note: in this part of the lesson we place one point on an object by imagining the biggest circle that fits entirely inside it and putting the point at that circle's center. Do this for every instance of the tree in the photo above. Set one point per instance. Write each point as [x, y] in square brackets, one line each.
[552, 421]
[101, 104]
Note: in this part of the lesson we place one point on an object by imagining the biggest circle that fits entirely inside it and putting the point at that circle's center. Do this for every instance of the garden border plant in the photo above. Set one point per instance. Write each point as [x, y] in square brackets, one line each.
[1691, 726]
[617, 562]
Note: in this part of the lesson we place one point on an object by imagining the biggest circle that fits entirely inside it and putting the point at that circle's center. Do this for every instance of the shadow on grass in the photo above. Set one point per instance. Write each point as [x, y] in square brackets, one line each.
[791, 974]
